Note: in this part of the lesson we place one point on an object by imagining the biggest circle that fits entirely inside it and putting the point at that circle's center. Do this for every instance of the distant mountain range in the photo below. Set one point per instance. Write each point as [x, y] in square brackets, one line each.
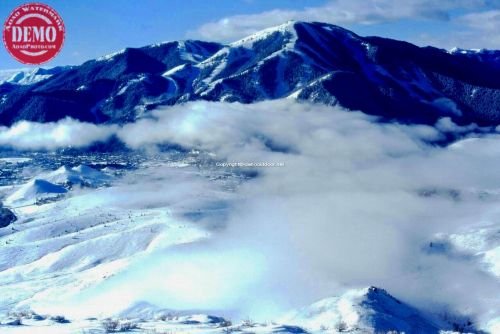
[316, 62]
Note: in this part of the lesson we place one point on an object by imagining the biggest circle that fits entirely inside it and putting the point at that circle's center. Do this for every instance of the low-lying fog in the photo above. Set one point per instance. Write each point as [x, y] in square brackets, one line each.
[355, 204]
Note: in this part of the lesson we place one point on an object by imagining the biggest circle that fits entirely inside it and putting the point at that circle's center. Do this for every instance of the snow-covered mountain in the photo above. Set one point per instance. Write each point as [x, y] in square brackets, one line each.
[29, 76]
[166, 228]
[306, 61]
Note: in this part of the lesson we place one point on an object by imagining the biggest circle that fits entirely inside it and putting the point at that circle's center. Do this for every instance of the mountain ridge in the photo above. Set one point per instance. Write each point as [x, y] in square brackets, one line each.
[310, 61]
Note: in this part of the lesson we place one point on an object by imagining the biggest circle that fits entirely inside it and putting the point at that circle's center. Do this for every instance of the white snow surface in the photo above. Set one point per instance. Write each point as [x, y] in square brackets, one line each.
[33, 191]
[110, 56]
[80, 175]
[26, 76]
[285, 28]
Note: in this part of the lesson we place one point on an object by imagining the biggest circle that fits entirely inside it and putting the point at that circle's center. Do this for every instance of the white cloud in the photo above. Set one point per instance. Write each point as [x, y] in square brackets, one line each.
[340, 12]
[344, 211]
[484, 29]
[487, 21]
[476, 30]
[65, 133]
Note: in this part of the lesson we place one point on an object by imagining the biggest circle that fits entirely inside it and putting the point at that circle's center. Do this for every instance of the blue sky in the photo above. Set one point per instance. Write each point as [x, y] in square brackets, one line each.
[98, 27]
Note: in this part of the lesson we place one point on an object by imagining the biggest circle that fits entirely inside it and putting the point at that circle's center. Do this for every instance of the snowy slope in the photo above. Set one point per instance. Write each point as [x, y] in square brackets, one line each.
[60, 248]
[7, 74]
[33, 191]
[53, 184]
[29, 76]
[77, 176]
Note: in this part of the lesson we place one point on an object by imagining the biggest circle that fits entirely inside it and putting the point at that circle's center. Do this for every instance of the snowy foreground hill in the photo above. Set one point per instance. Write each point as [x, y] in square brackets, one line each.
[369, 310]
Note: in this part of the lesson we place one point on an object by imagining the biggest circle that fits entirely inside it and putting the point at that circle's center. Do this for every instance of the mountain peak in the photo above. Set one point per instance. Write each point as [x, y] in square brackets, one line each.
[286, 29]
[290, 29]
